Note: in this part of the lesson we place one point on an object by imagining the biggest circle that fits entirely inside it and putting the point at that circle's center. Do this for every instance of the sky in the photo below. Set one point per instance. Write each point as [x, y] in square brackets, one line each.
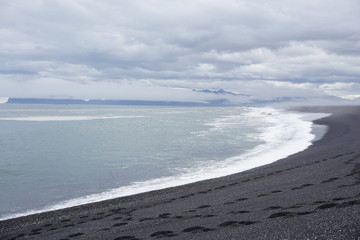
[161, 49]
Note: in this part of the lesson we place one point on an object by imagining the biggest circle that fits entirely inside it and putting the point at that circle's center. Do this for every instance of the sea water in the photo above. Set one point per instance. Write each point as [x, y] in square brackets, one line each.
[57, 156]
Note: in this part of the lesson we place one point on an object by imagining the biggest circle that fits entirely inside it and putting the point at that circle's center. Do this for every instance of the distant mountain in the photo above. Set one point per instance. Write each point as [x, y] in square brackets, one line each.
[245, 99]
[278, 100]
[224, 98]
[217, 102]
[44, 101]
[219, 92]
[305, 101]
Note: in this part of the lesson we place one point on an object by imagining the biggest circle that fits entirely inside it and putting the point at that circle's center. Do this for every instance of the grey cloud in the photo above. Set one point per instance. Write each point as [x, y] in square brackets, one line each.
[195, 41]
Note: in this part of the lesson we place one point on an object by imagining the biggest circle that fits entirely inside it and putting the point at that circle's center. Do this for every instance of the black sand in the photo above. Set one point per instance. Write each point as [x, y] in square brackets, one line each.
[314, 194]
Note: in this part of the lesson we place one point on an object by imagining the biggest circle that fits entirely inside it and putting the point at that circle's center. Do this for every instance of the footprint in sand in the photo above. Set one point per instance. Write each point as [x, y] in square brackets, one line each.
[75, 235]
[197, 229]
[126, 238]
[163, 234]
[235, 223]
[330, 180]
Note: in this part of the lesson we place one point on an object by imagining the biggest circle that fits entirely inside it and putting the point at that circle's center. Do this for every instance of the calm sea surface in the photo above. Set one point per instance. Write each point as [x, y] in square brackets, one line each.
[54, 156]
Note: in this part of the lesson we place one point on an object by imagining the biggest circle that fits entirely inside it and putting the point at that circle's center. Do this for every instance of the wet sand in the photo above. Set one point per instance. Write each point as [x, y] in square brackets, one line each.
[314, 194]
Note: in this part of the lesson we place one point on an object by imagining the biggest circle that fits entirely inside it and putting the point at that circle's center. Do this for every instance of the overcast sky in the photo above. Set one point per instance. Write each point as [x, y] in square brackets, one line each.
[161, 49]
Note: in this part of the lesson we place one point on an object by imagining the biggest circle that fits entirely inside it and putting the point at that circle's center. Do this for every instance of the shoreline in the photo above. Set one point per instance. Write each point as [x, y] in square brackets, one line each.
[313, 193]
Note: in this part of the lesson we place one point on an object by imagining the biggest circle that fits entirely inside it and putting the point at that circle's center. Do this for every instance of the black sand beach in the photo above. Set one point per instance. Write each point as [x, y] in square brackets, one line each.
[314, 194]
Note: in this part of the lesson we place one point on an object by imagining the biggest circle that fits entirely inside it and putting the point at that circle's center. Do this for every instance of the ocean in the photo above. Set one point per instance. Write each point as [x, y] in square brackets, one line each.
[57, 156]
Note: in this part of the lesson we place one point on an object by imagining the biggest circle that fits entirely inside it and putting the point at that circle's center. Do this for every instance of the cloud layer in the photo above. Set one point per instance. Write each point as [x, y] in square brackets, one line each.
[50, 46]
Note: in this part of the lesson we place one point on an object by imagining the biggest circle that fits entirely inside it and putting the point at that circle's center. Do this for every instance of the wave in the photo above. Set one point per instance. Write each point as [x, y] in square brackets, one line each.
[64, 118]
[286, 133]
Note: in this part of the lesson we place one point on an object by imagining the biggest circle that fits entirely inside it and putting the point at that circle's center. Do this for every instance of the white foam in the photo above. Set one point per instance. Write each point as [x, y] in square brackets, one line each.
[287, 133]
[64, 118]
